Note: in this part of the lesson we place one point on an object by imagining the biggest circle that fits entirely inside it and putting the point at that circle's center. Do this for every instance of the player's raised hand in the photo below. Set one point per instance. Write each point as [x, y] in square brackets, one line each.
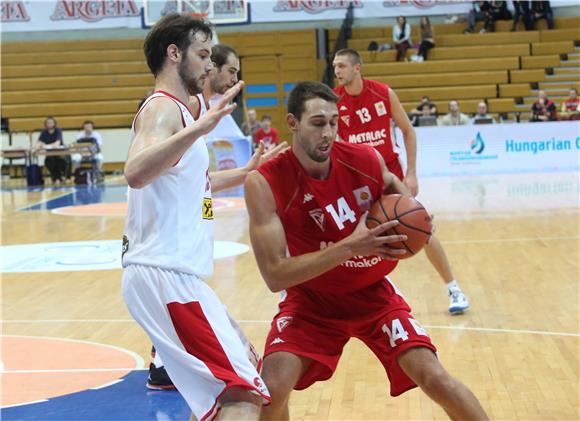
[221, 108]
[261, 155]
[369, 242]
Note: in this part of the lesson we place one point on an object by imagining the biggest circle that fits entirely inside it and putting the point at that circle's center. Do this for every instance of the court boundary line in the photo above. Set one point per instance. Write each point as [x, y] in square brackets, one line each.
[43, 201]
[442, 327]
[139, 361]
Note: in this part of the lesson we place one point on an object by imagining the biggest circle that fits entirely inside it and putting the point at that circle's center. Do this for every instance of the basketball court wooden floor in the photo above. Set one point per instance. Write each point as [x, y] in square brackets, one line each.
[512, 240]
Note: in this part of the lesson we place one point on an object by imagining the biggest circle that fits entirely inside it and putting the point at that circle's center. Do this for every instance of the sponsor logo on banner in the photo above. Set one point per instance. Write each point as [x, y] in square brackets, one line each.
[540, 146]
[14, 11]
[313, 7]
[420, 4]
[94, 11]
[380, 108]
[318, 216]
[363, 197]
[477, 144]
[472, 156]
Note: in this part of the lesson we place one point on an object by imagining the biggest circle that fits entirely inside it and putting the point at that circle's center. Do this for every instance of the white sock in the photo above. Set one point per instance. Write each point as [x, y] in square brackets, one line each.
[452, 286]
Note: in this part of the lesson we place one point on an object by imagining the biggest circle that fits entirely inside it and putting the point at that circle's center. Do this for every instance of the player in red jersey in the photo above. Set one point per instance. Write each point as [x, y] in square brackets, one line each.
[307, 211]
[365, 110]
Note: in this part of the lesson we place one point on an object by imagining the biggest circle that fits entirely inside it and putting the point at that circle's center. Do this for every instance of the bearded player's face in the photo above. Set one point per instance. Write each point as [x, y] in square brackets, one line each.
[316, 129]
[196, 64]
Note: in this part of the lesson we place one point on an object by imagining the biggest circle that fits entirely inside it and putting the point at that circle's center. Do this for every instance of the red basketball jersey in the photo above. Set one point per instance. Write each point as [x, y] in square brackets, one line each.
[366, 118]
[316, 213]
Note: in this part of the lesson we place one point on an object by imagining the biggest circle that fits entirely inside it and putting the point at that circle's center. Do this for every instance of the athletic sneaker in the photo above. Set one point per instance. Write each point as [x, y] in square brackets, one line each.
[159, 379]
[458, 302]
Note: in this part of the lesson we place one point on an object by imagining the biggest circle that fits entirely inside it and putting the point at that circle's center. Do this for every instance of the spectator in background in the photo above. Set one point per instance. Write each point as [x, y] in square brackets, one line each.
[50, 138]
[499, 10]
[522, 9]
[482, 116]
[570, 107]
[85, 136]
[419, 110]
[543, 109]
[427, 40]
[479, 12]
[402, 38]
[455, 117]
[426, 111]
[267, 134]
[251, 125]
[542, 10]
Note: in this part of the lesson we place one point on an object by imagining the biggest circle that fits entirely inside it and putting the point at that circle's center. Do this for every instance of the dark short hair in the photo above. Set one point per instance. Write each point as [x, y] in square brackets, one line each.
[574, 89]
[88, 122]
[49, 117]
[304, 91]
[220, 54]
[266, 117]
[353, 54]
[172, 29]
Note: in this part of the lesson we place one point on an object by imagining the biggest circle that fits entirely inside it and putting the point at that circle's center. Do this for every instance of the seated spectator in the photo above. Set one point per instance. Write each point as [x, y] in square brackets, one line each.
[84, 136]
[543, 109]
[542, 10]
[454, 117]
[402, 38]
[425, 101]
[267, 134]
[250, 126]
[479, 12]
[570, 107]
[425, 117]
[497, 11]
[50, 138]
[482, 116]
[427, 40]
[522, 9]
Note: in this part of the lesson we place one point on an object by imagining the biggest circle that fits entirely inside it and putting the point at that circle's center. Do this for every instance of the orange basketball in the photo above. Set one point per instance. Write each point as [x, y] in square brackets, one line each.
[414, 221]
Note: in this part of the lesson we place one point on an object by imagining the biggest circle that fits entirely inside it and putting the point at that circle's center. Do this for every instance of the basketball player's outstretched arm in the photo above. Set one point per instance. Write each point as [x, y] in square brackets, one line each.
[410, 137]
[226, 179]
[269, 241]
[160, 139]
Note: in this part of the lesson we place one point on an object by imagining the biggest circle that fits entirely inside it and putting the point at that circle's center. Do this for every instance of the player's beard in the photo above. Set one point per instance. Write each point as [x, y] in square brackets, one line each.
[193, 85]
[313, 152]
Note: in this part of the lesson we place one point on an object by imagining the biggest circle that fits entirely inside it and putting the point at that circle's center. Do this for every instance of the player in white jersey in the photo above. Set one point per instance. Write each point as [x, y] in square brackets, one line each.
[168, 242]
[223, 76]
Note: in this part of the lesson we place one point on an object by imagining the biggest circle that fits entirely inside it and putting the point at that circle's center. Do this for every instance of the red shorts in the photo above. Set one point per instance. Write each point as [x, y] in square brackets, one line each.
[395, 167]
[318, 326]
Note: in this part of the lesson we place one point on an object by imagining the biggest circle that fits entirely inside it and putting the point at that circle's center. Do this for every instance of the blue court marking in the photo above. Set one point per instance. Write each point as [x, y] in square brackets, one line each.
[84, 195]
[126, 400]
[87, 195]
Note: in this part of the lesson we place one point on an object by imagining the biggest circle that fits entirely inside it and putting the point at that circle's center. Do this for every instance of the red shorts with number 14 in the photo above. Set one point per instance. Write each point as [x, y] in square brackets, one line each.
[318, 325]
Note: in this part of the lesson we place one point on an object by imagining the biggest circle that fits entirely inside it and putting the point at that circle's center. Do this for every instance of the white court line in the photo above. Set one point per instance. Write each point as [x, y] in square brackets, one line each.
[510, 240]
[476, 329]
[24, 403]
[45, 201]
[67, 370]
[107, 384]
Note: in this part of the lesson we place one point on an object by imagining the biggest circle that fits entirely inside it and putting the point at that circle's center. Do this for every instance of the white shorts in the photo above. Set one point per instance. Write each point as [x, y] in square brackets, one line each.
[203, 350]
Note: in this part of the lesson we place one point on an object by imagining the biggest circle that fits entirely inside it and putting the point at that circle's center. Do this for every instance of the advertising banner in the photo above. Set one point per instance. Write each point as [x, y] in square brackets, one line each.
[498, 148]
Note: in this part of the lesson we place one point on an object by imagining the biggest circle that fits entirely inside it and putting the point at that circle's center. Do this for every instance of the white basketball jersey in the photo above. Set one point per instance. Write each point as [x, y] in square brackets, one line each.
[170, 221]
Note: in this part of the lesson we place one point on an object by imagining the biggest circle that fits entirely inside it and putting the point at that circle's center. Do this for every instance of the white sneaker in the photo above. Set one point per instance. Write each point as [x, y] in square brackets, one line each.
[458, 302]
[415, 57]
[420, 59]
